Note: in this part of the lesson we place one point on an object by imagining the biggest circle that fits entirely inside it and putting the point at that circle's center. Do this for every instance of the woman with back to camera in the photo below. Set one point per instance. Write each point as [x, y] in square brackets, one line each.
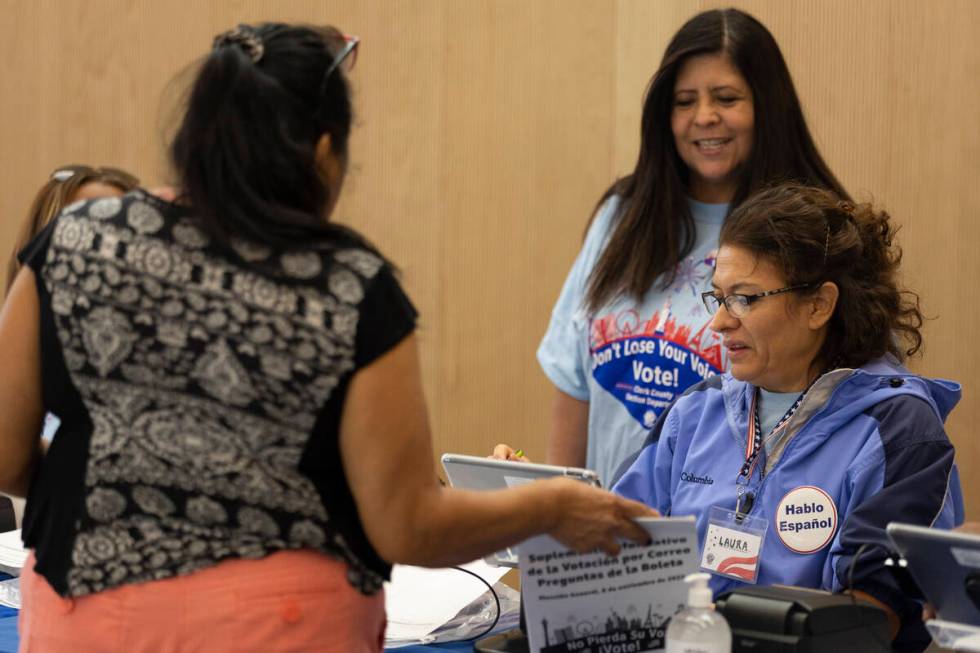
[628, 334]
[818, 434]
[244, 439]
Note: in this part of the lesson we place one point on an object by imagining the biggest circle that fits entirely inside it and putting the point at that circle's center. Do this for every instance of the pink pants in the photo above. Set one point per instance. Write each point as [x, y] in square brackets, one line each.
[290, 601]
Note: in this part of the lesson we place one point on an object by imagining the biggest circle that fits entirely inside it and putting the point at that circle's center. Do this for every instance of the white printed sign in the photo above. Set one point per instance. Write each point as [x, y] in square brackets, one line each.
[593, 602]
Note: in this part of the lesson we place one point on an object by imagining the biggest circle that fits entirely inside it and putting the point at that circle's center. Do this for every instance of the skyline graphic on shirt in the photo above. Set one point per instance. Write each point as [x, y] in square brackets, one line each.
[646, 360]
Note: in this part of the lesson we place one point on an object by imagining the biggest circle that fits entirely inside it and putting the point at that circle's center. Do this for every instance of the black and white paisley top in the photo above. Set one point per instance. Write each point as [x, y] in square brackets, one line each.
[199, 390]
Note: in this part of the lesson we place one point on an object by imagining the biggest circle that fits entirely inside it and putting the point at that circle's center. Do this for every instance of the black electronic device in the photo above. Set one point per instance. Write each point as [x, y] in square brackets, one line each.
[784, 619]
[946, 565]
[8, 516]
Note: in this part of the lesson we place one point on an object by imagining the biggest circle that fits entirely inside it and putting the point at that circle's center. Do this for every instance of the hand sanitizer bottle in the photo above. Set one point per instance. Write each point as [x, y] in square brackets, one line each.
[698, 628]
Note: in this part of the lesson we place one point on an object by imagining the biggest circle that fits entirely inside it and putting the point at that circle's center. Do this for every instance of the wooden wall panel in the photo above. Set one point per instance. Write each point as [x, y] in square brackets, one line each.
[472, 145]
[482, 140]
[486, 129]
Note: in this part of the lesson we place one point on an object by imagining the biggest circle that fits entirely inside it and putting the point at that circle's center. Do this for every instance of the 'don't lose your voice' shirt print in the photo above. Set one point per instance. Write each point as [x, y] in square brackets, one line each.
[630, 359]
[648, 360]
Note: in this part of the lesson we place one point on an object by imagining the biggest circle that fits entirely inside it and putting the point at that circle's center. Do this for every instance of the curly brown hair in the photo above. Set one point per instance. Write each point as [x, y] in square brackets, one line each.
[813, 236]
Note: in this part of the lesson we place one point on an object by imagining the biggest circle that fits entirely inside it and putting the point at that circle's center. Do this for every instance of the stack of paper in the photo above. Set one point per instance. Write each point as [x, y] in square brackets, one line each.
[10, 593]
[954, 636]
[420, 601]
[12, 552]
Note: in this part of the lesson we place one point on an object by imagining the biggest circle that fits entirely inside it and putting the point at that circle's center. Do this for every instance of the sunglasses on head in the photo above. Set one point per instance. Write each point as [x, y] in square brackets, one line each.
[346, 55]
[108, 175]
[346, 48]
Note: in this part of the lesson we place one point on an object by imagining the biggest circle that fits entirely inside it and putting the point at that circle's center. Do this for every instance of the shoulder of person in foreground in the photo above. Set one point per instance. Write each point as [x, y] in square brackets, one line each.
[907, 408]
[907, 461]
[907, 473]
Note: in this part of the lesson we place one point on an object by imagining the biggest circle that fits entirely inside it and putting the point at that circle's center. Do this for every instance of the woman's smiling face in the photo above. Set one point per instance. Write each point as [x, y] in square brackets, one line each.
[712, 120]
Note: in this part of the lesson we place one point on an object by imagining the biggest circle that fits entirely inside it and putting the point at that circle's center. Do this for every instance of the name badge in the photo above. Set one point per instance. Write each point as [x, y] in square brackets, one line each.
[806, 519]
[732, 546]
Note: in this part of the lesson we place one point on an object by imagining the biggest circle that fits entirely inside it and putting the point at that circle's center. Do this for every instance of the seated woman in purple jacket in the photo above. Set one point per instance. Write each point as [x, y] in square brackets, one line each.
[795, 461]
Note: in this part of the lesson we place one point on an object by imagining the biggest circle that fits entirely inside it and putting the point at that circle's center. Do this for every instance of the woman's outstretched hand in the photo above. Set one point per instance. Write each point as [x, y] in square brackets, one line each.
[587, 518]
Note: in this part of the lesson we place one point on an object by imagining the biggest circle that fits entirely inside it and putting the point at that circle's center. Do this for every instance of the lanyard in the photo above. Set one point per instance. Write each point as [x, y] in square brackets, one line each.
[754, 441]
[754, 445]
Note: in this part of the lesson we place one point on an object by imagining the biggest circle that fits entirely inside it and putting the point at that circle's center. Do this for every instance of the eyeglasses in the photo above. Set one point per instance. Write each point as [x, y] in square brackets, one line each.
[737, 304]
[114, 176]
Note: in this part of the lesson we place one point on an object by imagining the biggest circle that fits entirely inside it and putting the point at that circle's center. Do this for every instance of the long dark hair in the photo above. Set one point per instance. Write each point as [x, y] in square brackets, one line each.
[245, 152]
[655, 230]
[813, 235]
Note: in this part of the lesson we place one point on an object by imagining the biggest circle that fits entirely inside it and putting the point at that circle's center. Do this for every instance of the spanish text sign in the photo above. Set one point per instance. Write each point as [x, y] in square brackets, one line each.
[590, 601]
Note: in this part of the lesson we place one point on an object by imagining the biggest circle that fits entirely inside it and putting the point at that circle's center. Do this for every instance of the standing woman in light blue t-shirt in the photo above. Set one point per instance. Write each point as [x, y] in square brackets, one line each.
[628, 334]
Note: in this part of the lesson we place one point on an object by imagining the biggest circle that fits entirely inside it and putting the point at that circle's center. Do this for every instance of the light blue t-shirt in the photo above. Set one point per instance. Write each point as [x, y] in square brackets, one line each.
[630, 360]
[772, 408]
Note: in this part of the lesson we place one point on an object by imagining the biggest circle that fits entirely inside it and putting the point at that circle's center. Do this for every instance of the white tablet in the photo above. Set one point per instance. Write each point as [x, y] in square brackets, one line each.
[946, 566]
[476, 473]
